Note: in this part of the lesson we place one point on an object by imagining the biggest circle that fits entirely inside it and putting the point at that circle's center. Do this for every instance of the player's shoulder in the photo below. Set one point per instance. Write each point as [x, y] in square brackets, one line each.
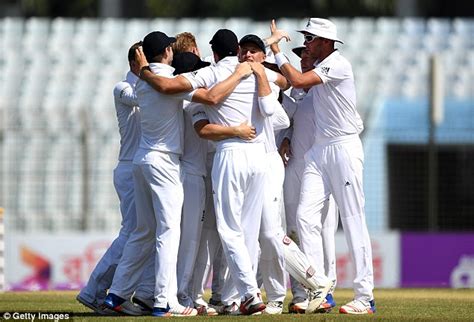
[122, 86]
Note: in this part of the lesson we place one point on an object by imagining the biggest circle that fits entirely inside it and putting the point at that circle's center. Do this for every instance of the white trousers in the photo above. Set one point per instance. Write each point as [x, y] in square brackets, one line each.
[191, 227]
[335, 167]
[103, 274]
[272, 259]
[210, 257]
[329, 216]
[159, 200]
[238, 176]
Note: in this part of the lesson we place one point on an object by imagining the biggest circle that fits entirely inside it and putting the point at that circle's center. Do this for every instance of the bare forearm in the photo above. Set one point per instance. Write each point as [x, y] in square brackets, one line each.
[217, 93]
[263, 86]
[217, 132]
[165, 85]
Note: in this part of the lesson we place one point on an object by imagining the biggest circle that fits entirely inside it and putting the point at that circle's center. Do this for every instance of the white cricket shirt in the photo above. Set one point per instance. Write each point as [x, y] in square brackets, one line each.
[194, 156]
[302, 113]
[240, 106]
[128, 116]
[335, 99]
[161, 117]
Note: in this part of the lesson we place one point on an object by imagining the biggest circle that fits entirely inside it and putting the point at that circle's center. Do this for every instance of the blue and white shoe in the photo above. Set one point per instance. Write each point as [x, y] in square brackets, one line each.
[327, 304]
[114, 302]
[176, 310]
[161, 311]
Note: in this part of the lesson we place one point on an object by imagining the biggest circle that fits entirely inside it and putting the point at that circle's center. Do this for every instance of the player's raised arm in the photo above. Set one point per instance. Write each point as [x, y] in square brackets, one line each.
[294, 76]
[163, 85]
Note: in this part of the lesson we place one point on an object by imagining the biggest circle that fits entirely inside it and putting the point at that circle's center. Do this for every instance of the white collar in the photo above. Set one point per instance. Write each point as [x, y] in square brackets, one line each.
[156, 67]
[228, 60]
[332, 55]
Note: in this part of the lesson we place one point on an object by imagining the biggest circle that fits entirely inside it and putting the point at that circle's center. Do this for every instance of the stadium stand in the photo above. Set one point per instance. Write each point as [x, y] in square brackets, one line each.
[56, 80]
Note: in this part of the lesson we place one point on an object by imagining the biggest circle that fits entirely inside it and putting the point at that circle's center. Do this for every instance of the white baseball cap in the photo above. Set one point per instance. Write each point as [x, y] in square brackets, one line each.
[322, 28]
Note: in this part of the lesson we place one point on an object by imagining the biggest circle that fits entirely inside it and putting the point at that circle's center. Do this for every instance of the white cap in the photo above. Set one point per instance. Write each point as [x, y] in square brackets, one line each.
[322, 28]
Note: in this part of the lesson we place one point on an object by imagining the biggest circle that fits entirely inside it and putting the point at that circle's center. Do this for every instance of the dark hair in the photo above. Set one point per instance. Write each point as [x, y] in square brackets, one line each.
[224, 43]
[131, 51]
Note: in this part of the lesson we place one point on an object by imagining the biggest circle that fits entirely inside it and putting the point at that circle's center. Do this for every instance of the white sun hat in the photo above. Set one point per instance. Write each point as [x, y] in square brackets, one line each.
[322, 28]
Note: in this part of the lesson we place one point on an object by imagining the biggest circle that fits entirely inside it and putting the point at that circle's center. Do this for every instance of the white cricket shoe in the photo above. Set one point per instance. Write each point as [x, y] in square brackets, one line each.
[203, 308]
[317, 297]
[274, 307]
[179, 310]
[252, 305]
[358, 307]
[298, 306]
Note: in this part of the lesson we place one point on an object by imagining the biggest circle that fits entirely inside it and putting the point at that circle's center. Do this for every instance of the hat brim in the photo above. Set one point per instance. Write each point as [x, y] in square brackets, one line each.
[298, 50]
[202, 64]
[308, 32]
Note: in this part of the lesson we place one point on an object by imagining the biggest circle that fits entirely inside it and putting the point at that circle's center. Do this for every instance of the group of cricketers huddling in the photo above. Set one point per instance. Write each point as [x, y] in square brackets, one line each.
[210, 152]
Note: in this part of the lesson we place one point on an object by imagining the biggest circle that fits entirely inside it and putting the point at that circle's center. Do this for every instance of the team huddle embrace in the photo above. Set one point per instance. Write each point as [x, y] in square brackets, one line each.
[210, 152]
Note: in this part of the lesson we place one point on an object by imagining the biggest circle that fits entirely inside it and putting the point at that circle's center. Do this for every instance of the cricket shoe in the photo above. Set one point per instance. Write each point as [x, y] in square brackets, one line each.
[232, 309]
[317, 297]
[161, 311]
[94, 306]
[298, 306]
[327, 304]
[358, 307]
[137, 307]
[218, 306]
[180, 310]
[175, 310]
[204, 309]
[114, 302]
[274, 307]
[252, 305]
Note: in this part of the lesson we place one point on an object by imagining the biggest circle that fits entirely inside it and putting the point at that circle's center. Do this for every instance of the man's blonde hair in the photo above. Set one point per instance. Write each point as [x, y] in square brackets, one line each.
[185, 42]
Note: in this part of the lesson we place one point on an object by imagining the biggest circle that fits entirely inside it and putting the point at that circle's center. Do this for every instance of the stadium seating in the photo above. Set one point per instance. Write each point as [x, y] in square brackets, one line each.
[57, 75]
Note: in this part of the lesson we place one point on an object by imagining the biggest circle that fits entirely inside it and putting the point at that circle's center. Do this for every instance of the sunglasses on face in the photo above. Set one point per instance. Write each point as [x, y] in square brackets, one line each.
[310, 38]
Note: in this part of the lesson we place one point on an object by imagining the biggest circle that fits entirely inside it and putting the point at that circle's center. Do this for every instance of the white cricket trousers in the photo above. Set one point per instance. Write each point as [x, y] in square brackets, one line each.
[210, 249]
[238, 176]
[272, 259]
[330, 219]
[159, 200]
[103, 274]
[334, 166]
[191, 226]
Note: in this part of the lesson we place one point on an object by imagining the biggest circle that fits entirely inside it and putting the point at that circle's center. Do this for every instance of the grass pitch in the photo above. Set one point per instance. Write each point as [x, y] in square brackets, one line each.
[392, 305]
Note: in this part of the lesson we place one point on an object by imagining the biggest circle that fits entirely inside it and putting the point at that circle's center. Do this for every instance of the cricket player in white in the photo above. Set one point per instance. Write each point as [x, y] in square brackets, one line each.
[158, 189]
[334, 164]
[295, 144]
[215, 95]
[272, 260]
[128, 116]
[238, 169]
[193, 162]
[238, 174]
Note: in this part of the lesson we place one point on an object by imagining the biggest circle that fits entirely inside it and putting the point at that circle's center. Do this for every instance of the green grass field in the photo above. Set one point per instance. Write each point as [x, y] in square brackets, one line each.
[392, 304]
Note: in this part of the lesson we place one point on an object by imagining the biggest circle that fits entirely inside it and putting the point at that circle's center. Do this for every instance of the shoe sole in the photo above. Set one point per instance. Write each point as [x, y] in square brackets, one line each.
[254, 309]
[294, 309]
[314, 304]
[342, 311]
